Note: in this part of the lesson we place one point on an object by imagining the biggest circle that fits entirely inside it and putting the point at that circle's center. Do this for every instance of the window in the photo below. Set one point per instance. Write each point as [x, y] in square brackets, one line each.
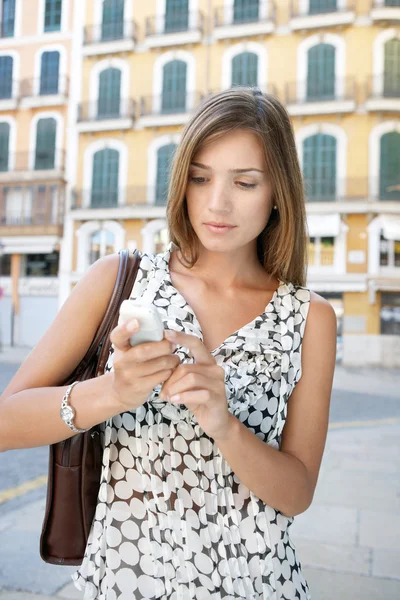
[161, 240]
[319, 167]
[322, 6]
[321, 73]
[8, 18]
[5, 265]
[105, 178]
[6, 77]
[389, 252]
[389, 181]
[245, 11]
[112, 25]
[391, 74]
[108, 105]
[4, 146]
[164, 158]
[49, 72]
[45, 144]
[101, 243]
[390, 313]
[245, 69]
[176, 15]
[52, 15]
[40, 265]
[321, 251]
[174, 87]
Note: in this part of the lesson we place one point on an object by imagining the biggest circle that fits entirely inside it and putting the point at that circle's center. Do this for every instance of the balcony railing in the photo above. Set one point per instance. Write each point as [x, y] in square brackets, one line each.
[170, 103]
[107, 108]
[320, 90]
[120, 197]
[249, 12]
[32, 161]
[383, 86]
[8, 88]
[110, 32]
[357, 189]
[386, 3]
[319, 7]
[174, 22]
[41, 204]
[44, 86]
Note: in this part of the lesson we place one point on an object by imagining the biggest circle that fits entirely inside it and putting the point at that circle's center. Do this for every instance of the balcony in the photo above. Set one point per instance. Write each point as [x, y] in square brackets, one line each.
[174, 29]
[106, 114]
[326, 13]
[44, 91]
[321, 97]
[385, 11]
[9, 94]
[171, 108]
[249, 20]
[138, 202]
[32, 209]
[383, 93]
[110, 38]
[32, 166]
[356, 195]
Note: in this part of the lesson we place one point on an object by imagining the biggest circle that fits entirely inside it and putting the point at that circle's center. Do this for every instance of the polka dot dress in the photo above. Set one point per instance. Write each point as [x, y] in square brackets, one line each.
[173, 521]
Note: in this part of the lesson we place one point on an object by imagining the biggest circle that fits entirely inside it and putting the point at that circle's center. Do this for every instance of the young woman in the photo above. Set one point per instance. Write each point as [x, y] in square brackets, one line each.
[213, 436]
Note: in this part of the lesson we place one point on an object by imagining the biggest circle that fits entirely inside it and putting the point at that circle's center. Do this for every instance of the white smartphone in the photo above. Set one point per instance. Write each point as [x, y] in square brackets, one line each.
[151, 324]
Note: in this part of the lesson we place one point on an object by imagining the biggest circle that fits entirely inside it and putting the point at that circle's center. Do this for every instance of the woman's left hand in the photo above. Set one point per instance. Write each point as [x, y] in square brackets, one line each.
[200, 386]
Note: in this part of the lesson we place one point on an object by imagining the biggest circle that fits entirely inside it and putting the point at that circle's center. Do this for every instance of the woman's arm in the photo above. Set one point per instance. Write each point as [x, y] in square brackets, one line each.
[30, 404]
[285, 479]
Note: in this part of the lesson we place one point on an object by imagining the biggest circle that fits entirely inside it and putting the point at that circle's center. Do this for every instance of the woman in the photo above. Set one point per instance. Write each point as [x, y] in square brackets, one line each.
[213, 436]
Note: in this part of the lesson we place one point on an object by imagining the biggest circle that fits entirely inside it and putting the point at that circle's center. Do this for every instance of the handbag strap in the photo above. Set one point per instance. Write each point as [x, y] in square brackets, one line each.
[127, 271]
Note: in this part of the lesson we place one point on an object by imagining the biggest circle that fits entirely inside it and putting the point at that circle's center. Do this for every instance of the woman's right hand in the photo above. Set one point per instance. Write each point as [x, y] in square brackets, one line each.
[138, 369]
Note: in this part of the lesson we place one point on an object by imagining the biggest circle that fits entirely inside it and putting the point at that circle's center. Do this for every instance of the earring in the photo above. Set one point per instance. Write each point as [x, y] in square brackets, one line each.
[275, 208]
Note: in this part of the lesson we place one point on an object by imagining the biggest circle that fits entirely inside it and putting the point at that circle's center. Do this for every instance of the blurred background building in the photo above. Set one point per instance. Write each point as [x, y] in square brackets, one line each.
[116, 94]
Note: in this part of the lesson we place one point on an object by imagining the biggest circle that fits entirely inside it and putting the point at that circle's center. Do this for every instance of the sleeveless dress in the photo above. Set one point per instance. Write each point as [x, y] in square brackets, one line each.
[172, 520]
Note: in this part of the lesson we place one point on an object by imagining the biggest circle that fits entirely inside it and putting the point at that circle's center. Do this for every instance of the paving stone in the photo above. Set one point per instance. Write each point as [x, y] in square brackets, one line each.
[386, 563]
[69, 592]
[380, 530]
[330, 585]
[327, 524]
[334, 557]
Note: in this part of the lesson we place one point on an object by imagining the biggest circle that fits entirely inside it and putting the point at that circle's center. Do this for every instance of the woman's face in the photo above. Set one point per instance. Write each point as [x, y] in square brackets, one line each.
[217, 195]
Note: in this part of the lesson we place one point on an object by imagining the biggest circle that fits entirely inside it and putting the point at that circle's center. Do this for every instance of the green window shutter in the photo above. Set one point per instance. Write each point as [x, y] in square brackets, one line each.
[390, 166]
[317, 7]
[109, 101]
[245, 11]
[174, 87]
[319, 167]
[321, 73]
[245, 69]
[52, 15]
[164, 158]
[8, 19]
[45, 144]
[112, 26]
[176, 15]
[49, 72]
[4, 145]
[104, 192]
[6, 77]
[391, 74]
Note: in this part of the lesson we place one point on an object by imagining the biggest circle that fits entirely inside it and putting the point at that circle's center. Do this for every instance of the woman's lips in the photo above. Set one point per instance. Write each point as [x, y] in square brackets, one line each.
[219, 228]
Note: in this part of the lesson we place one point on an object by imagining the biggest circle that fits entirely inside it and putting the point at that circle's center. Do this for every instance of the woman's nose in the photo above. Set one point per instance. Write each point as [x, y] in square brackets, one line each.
[219, 199]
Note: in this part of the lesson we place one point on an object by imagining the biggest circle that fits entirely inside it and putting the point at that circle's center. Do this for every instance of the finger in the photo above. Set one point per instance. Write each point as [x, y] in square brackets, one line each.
[191, 381]
[121, 334]
[192, 398]
[149, 367]
[197, 349]
[150, 350]
[213, 372]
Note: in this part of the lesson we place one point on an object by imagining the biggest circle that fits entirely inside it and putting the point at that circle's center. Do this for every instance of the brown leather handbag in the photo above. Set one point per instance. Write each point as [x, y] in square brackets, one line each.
[75, 463]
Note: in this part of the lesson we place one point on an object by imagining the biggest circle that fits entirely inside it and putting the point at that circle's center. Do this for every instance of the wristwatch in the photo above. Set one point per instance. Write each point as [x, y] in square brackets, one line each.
[67, 413]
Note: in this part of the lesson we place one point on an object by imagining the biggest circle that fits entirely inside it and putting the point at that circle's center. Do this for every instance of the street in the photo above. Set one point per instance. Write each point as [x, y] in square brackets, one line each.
[342, 555]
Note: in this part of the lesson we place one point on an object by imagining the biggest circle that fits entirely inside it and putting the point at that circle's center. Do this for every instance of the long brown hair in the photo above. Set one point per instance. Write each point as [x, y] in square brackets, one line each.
[281, 246]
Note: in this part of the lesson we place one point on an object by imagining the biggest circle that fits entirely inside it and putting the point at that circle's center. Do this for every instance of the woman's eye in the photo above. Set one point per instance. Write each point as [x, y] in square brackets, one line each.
[241, 183]
[247, 185]
[197, 179]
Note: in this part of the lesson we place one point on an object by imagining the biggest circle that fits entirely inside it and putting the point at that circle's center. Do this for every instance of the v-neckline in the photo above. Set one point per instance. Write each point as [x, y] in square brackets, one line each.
[190, 309]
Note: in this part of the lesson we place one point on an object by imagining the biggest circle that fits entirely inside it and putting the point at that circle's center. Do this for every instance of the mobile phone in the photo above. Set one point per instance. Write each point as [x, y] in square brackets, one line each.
[151, 324]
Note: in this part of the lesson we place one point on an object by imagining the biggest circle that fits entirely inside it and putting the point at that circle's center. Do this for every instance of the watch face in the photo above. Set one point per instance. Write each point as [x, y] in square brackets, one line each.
[67, 413]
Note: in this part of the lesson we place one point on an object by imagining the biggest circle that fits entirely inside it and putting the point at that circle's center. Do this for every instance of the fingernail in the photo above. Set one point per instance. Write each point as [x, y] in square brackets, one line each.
[170, 335]
[132, 325]
[175, 398]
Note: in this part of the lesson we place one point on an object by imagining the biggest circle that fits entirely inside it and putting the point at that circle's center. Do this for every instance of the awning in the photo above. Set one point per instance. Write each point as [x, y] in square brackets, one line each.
[30, 244]
[323, 225]
[390, 227]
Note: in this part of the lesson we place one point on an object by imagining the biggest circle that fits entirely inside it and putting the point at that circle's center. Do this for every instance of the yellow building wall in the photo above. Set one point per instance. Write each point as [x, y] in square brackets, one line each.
[357, 239]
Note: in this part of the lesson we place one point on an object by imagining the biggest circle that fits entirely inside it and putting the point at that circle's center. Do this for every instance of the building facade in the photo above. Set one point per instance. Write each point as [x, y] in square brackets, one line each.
[35, 60]
[139, 70]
